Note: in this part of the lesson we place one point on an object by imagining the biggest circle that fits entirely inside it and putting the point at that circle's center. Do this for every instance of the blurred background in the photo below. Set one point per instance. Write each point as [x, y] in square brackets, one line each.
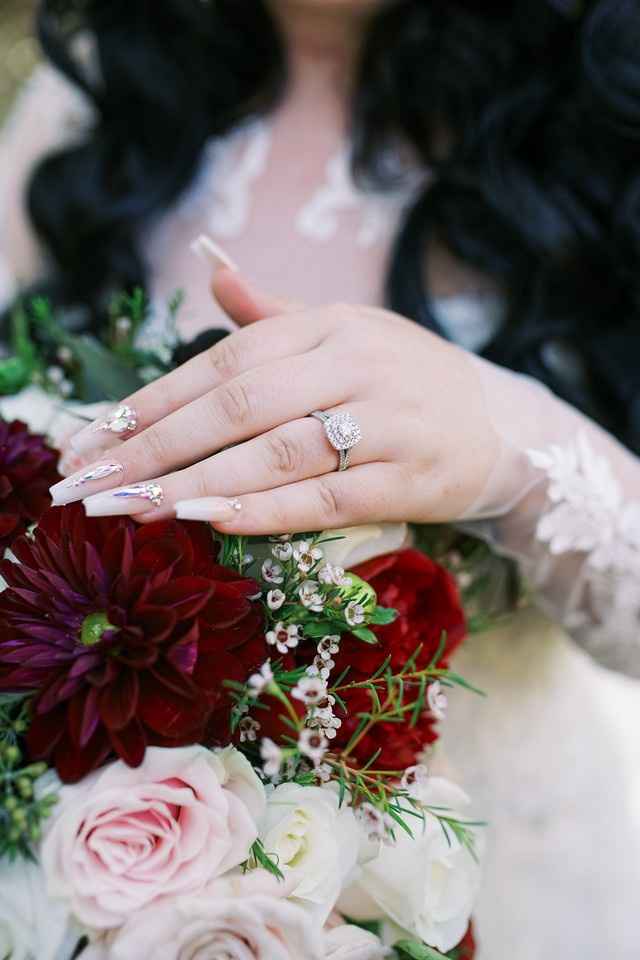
[18, 49]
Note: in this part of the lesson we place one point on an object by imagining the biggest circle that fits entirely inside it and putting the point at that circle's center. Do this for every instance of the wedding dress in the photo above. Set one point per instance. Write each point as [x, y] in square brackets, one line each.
[552, 756]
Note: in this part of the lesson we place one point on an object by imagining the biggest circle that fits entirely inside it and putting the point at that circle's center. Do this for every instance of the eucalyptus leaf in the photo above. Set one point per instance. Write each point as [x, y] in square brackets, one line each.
[364, 634]
[104, 375]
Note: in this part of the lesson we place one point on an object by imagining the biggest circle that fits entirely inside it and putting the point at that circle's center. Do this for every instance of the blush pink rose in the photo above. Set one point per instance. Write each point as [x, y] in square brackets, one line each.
[125, 838]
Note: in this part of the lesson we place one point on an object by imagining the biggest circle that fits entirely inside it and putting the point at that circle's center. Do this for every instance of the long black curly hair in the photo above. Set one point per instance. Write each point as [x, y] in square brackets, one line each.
[527, 111]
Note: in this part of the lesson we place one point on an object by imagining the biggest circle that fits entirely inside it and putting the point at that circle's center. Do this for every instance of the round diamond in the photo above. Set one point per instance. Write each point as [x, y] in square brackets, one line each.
[343, 431]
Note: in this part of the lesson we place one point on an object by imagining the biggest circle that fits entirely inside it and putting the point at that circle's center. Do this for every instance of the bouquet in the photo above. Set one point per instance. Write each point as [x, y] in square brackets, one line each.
[216, 747]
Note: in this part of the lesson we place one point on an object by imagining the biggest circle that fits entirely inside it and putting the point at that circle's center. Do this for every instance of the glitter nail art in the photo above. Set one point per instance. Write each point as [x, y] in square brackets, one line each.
[152, 492]
[101, 472]
[120, 421]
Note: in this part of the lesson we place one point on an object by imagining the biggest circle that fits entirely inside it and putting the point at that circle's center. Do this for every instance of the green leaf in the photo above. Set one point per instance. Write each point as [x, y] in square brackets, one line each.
[415, 950]
[366, 635]
[383, 615]
[105, 376]
[260, 857]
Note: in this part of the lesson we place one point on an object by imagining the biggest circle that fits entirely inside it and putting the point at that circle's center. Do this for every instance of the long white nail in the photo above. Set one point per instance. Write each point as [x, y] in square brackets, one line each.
[207, 249]
[212, 509]
[118, 424]
[81, 483]
[122, 501]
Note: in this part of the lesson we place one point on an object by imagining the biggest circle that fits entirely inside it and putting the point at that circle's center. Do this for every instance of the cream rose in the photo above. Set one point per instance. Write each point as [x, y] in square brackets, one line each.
[427, 884]
[226, 920]
[315, 842]
[349, 942]
[31, 926]
[124, 838]
[359, 544]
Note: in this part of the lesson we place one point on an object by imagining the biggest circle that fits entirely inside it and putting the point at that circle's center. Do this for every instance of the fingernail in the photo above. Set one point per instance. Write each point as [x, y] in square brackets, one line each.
[119, 423]
[74, 487]
[205, 248]
[124, 500]
[212, 509]
[69, 463]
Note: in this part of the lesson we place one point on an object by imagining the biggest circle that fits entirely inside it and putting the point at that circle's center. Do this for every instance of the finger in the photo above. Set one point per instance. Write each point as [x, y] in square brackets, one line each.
[276, 338]
[292, 452]
[254, 403]
[370, 493]
[232, 291]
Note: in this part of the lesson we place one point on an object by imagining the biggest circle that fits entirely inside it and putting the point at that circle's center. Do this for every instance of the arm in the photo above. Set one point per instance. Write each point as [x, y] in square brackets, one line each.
[49, 113]
[564, 500]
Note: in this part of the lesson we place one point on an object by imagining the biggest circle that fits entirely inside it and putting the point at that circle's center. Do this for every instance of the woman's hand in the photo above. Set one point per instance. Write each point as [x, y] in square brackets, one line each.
[228, 437]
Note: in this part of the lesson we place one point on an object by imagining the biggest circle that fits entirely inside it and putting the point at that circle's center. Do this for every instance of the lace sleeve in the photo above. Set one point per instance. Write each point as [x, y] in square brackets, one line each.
[49, 113]
[564, 500]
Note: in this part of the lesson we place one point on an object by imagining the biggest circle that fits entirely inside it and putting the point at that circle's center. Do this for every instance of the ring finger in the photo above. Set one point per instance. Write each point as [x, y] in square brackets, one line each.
[292, 452]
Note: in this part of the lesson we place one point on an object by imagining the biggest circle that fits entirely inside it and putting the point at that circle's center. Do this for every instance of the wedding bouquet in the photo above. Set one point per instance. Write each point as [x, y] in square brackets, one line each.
[215, 747]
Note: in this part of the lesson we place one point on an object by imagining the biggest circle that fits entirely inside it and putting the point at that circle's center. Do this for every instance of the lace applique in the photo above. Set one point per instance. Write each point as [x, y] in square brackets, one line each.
[319, 219]
[588, 515]
[229, 169]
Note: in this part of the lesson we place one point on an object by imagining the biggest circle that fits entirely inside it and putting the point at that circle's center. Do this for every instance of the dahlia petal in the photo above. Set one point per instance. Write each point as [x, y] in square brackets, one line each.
[45, 730]
[185, 595]
[119, 700]
[117, 555]
[83, 717]
[130, 743]
[73, 764]
[9, 522]
[168, 714]
[184, 652]
[180, 683]
[59, 690]
[157, 623]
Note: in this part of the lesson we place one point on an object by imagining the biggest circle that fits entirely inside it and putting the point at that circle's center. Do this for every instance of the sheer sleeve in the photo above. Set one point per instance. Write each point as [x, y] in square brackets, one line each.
[49, 113]
[564, 500]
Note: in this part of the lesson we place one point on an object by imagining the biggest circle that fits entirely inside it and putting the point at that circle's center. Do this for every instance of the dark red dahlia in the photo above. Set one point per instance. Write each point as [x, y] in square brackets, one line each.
[28, 467]
[125, 634]
[428, 605]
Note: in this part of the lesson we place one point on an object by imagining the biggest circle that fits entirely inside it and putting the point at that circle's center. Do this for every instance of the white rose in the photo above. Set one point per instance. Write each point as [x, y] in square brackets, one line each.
[227, 920]
[349, 942]
[45, 413]
[425, 884]
[31, 926]
[315, 842]
[359, 544]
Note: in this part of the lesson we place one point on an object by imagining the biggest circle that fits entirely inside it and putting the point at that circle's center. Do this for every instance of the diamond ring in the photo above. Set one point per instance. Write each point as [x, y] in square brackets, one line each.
[343, 433]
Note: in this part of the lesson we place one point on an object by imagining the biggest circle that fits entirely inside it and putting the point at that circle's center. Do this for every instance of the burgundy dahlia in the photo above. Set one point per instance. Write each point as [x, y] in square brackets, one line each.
[125, 633]
[28, 467]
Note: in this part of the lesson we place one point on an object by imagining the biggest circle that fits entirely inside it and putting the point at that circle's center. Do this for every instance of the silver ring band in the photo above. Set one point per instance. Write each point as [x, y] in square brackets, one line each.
[343, 433]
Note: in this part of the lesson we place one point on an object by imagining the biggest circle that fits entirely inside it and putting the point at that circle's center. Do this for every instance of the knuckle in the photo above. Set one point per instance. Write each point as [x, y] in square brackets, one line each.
[224, 358]
[330, 501]
[235, 403]
[284, 454]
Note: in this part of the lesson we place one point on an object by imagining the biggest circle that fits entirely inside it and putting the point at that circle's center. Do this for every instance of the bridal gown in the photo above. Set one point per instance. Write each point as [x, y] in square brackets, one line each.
[551, 757]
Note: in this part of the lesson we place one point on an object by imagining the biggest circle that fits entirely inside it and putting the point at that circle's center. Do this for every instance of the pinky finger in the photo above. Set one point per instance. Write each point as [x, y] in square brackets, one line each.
[365, 494]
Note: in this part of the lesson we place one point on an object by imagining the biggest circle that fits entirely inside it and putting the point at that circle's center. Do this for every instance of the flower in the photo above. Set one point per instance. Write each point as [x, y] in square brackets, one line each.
[306, 556]
[314, 841]
[310, 690]
[227, 920]
[28, 467]
[272, 572]
[284, 638]
[271, 755]
[437, 700]
[275, 599]
[313, 744]
[333, 576]
[126, 634]
[355, 614]
[258, 682]
[426, 884]
[349, 942]
[414, 779]
[32, 927]
[328, 647]
[248, 728]
[123, 838]
[310, 596]
[426, 598]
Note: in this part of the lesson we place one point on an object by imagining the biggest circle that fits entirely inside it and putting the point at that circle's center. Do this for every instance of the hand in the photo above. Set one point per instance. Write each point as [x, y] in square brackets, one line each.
[230, 433]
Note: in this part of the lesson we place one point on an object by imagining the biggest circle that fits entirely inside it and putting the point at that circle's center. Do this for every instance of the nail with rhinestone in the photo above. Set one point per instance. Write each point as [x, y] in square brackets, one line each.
[124, 500]
[77, 486]
[210, 509]
[119, 423]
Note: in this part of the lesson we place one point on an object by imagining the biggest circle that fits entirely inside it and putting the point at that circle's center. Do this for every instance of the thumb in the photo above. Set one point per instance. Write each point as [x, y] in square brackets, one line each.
[239, 300]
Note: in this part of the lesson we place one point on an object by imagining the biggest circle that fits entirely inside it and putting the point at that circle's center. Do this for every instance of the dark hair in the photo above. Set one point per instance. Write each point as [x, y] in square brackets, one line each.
[527, 111]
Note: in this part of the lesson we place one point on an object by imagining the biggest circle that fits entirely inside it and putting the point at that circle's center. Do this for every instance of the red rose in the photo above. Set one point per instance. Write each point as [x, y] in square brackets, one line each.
[466, 949]
[125, 633]
[428, 605]
[28, 467]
